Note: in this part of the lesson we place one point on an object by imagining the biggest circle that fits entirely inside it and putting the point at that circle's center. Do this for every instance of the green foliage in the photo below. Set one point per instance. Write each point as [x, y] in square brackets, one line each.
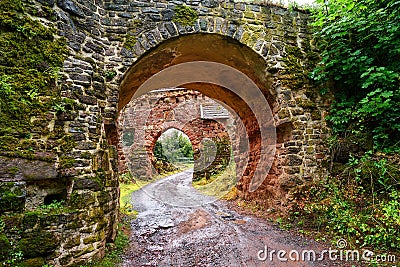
[185, 15]
[361, 204]
[110, 74]
[30, 58]
[360, 50]
[55, 205]
[14, 259]
[126, 178]
[2, 226]
[172, 147]
[377, 175]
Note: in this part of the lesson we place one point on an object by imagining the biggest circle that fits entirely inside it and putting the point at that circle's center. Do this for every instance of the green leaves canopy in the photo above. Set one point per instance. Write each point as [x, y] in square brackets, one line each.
[360, 44]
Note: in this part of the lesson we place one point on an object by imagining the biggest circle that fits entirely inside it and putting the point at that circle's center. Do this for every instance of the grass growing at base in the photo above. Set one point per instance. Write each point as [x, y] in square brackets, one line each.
[220, 185]
[114, 250]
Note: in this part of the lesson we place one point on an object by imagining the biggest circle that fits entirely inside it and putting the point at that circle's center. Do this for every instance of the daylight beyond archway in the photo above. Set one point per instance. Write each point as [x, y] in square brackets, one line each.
[172, 151]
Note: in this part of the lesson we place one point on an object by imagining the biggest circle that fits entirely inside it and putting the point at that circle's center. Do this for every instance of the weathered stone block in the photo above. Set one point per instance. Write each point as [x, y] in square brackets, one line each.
[71, 7]
[38, 243]
[82, 200]
[73, 242]
[294, 160]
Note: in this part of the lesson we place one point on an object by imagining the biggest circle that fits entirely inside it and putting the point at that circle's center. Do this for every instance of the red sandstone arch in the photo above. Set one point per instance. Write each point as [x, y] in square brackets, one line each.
[196, 130]
[214, 48]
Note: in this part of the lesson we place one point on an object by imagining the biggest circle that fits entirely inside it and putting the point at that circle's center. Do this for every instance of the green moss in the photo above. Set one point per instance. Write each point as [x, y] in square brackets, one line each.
[13, 170]
[81, 201]
[86, 155]
[11, 197]
[5, 246]
[249, 15]
[35, 262]
[251, 34]
[66, 162]
[185, 15]
[38, 243]
[316, 115]
[84, 251]
[306, 103]
[67, 143]
[295, 73]
[130, 41]
[30, 219]
[30, 57]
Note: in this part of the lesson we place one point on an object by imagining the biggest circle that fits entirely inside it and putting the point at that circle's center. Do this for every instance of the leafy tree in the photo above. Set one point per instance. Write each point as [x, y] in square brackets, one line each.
[360, 51]
[173, 146]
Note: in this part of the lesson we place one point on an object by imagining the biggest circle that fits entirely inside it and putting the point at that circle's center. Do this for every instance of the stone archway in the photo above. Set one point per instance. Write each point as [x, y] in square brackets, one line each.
[196, 115]
[224, 50]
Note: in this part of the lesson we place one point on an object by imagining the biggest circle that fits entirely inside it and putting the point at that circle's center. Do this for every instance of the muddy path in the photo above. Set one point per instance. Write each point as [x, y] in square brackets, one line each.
[178, 226]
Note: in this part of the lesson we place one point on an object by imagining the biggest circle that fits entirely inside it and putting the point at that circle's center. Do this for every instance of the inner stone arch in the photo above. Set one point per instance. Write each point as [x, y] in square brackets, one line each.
[189, 111]
[166, 154]
[218, 49]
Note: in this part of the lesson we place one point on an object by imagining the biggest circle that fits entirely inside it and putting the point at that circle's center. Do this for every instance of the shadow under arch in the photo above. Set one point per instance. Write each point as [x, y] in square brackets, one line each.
[239, 67]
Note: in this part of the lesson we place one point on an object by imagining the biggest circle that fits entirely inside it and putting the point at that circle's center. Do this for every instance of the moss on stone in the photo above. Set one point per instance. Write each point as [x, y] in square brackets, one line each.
[11, 197]
[296, 75]
[30, 57]
[130, 41]
[251, 34]
[66, 162]
[82, 200]
[30, 219]
[94, 238]
[13, 170]
[35, 262]
[67, 143]
[73, 242]
[38, 243]
[5, 246]
[185, 15]
[316, 115]
[84, 251]
[249, 15]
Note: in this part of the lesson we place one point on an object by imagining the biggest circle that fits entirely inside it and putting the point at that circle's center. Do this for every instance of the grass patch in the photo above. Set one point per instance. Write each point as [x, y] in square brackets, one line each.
[126, 191]
[221, 185]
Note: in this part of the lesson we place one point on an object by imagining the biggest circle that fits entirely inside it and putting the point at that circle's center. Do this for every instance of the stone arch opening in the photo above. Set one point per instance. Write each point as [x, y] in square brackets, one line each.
[171, 150]
[188, 111]
[224, 50]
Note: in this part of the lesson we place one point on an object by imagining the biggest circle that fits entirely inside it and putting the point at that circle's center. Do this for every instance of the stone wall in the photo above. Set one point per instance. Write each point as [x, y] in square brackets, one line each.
[112, 48]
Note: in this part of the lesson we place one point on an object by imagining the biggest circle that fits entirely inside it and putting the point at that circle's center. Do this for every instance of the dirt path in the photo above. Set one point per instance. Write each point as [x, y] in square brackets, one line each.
[178, 226]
